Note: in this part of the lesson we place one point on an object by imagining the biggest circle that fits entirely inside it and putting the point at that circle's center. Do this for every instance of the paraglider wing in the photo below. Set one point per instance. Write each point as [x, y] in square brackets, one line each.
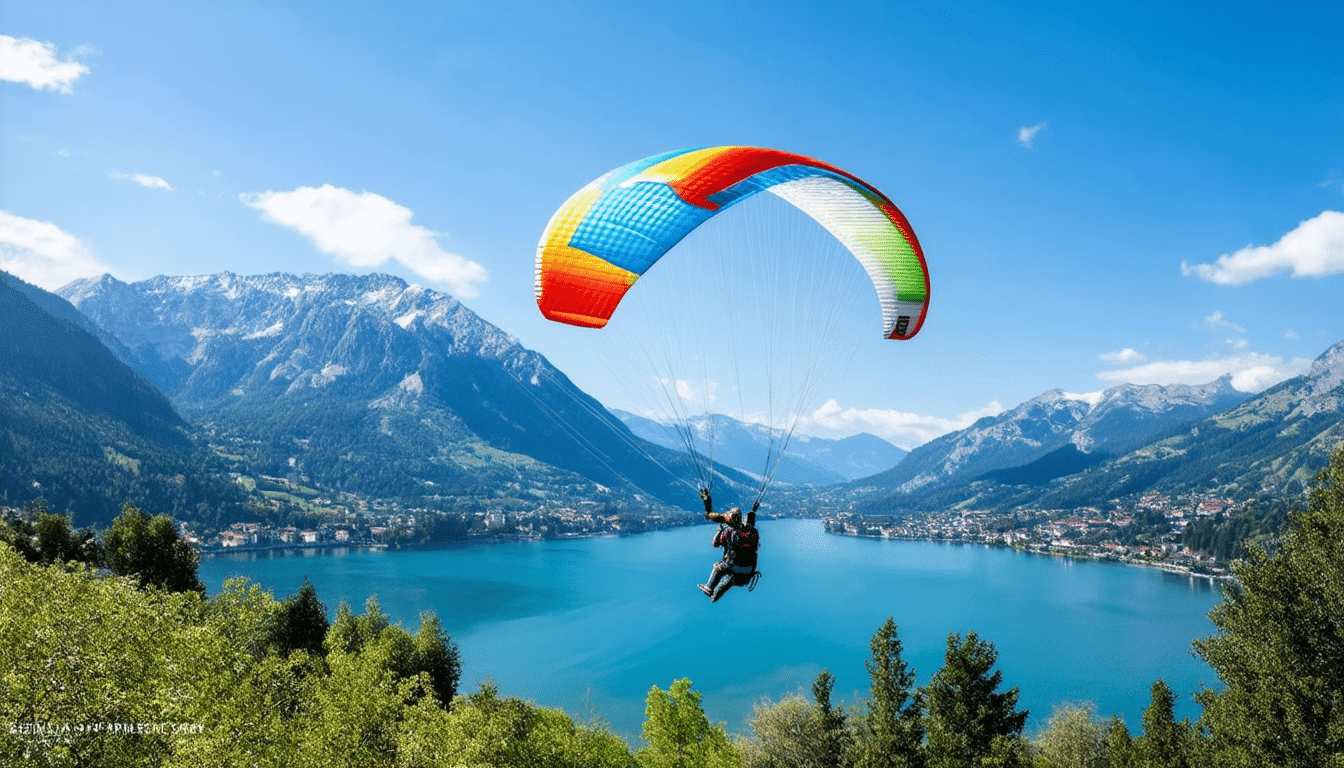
[610, 232]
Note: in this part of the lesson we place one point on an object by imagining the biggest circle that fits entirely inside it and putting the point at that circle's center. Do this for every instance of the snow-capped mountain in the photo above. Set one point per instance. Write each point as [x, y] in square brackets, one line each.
[807, 460]
[365, 381]
[1104, 423]
[1268, 447]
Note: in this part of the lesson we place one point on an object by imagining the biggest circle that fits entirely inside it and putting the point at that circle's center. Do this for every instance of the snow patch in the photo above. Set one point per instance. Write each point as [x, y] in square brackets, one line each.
[405, 320]
[412, 384]
[1091, 398]
[329, 373]
[381, 295]
[274, 330]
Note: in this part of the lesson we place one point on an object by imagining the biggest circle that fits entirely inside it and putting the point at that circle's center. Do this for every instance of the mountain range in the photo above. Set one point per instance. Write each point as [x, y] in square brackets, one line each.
[367, 390]
[368, 386]
[1099, 424]
[1060, 451]
[807, 460]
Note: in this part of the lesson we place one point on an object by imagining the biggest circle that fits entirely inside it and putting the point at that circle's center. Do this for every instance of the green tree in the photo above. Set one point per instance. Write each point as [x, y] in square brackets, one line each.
[430, 652]
[483, 729]
[679, 734]
[1119, 745]
[835, 737]
[149, 550]
[81, 656]
[1279, 650]
[1073, 738]
[48, 537]
[1164, 743]
[970, 722]
[352, 716]
[785, 734]
[57, 543]
[19, 535]
[795, 733]
[301, 623]
[437, 656]
[893, 728]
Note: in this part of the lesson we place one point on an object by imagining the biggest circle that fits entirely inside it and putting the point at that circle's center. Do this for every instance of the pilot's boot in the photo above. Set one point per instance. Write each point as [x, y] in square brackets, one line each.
[723, 586]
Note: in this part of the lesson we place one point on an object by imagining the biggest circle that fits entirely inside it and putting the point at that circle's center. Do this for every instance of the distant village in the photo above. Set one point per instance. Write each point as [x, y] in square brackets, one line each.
[1090, 533]
[383, 528]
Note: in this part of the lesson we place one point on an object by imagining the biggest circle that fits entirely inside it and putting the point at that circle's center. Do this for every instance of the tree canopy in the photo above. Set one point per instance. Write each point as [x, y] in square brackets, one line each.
[1279, 648]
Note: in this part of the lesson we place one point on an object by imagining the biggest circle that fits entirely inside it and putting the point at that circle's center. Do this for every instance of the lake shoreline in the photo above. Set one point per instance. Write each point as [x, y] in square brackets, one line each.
[300, 550]
[1057, 552]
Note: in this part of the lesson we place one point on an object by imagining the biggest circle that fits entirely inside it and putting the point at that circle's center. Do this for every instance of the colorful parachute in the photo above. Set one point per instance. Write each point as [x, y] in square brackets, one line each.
[610, 232]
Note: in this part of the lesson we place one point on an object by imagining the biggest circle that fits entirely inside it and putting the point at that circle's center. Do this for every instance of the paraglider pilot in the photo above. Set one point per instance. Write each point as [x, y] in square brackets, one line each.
[740, 542]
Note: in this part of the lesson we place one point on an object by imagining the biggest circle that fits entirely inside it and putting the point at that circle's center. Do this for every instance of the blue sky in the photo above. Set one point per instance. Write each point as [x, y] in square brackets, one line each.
[1106, 192]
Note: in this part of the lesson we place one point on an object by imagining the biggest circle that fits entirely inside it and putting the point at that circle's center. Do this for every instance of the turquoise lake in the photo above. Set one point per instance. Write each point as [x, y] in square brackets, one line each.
[589, 625]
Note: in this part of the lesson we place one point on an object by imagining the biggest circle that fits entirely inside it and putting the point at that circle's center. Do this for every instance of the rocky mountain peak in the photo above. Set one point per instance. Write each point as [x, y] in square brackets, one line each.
[299, 330]
[394, 374]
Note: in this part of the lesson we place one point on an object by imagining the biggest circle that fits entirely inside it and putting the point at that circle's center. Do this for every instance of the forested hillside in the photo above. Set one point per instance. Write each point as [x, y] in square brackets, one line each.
[140, 668]
[84, 432]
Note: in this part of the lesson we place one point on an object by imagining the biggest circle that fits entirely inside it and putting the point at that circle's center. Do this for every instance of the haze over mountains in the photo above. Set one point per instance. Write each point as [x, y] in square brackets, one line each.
[806, 461]
[369, 388]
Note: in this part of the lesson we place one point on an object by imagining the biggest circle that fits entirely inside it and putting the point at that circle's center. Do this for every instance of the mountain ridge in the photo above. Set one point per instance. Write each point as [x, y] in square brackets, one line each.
[1116, 418]
[288, 365]
[808, 460]
[83, 431]
[1268, 446]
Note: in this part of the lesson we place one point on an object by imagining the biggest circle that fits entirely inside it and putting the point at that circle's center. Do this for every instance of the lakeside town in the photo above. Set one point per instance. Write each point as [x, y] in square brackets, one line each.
[403, 528]
[1146, 531]
[1093, 533]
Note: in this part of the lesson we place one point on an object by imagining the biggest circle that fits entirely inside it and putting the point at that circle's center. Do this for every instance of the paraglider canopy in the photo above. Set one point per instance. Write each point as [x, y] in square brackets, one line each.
[610, 232]
[759, 296]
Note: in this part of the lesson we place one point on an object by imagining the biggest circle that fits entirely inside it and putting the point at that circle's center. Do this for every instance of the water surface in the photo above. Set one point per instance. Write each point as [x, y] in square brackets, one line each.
[590, 624]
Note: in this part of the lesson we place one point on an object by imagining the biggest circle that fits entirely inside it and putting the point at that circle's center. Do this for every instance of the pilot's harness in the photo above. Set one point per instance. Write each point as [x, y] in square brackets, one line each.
[728, 551]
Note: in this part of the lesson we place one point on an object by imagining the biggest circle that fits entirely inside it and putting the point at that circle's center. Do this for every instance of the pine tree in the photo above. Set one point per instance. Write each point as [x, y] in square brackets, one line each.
[437, 656]
[1165, 743]
[301, 622]
[1279, 650]
[1119, 745]
[834, 735]
[893, 727]
[970, 722]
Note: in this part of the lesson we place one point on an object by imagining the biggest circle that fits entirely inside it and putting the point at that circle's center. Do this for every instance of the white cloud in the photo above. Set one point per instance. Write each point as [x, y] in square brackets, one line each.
[1251, 372]
[144, 180]
[907, 430]
[1027, 133]
[1124, 356]
[1219, 320]
[43, 254]
[24, 60]
[1315, 248]
[367, 230]
[687, 394]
